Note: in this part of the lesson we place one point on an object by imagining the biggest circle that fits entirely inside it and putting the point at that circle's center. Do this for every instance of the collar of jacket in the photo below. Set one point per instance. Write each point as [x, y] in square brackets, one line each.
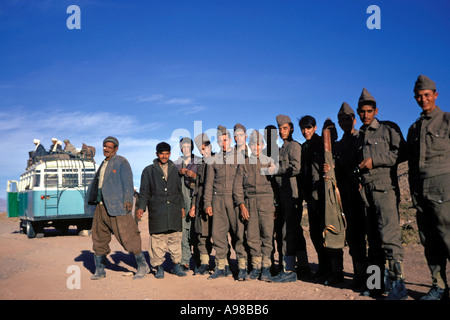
[374, 125]
[432, 114]
[170, 166]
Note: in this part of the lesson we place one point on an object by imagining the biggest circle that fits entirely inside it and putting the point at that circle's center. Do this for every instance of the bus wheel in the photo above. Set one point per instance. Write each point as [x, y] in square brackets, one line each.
[30, 230]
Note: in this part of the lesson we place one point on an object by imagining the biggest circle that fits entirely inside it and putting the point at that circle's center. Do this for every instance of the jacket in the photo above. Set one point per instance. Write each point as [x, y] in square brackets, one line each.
[429, 145]
[384, 143]
[117, 186]
[289, 168]
[252, 179]
[220, 175]
[163, 198]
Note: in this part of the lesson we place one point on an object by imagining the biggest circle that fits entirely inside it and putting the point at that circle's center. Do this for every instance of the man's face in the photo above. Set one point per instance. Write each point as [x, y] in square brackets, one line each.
[240, 137]
[426, 99]
[285, 131]
[224, 142]
[206, 150]
[186, 149]
[163, 156]
[346, 122]
[308, 131]
[257, 148]
[367, 113]
[109, 150]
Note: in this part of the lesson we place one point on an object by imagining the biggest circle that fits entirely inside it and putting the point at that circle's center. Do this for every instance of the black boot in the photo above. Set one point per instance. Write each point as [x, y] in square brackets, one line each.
[99, 268]
[397, 289]
[142, 265]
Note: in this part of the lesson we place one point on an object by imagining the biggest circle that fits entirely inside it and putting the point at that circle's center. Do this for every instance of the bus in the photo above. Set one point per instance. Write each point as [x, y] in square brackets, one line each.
[51, 193]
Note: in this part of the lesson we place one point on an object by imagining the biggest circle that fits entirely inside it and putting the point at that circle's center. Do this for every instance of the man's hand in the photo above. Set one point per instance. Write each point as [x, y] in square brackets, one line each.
[209, 211]
[366, 164]
[140, 213]
[183, 213]
[127, 206]
[192, 212]
[244, 212]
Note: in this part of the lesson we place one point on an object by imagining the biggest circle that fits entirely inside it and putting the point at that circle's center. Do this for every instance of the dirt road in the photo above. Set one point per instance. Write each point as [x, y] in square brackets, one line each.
[46, 268]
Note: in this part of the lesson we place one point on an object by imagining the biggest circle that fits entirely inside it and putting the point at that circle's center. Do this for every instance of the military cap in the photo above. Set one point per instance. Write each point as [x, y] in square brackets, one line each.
[107, 139]
[200, 139]
[255, 137]
[282, 119]
[366, 98]
[346, 109]
[424, 83]
[221, 130]
[239, 126]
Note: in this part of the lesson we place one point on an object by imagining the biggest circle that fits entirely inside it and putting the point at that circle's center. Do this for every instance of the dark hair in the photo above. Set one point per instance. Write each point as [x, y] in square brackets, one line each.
[187, 140]
[162, 146]
[307, 121]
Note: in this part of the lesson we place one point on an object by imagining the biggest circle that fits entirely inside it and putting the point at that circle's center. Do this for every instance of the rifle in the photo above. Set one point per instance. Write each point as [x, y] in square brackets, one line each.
[335, 223]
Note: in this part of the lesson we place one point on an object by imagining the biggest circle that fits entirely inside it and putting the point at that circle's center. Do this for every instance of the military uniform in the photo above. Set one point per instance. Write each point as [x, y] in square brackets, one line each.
[429, 175]
[344, 153]
[219, 195]
[384, 143]
[312, 189]
[202, 222]
[290, 205]
[252, 187]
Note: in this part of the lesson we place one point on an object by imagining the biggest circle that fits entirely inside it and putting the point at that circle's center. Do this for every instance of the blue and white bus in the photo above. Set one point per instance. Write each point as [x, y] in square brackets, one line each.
[51, 193]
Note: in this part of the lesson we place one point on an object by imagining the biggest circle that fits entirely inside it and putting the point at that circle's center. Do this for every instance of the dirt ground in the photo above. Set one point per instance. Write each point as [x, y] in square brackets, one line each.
[45, 269]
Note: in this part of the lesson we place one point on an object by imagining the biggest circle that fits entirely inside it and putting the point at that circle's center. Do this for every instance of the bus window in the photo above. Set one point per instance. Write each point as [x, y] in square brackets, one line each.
[70, 180]
[51, 180]
[37, 180]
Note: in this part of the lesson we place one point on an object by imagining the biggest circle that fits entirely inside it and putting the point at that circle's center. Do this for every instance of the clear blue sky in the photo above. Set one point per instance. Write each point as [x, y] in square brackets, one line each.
[145, 70]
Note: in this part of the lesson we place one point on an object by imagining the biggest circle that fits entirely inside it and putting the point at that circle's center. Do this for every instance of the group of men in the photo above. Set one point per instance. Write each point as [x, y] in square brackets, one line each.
[55, 147]
[253, 196]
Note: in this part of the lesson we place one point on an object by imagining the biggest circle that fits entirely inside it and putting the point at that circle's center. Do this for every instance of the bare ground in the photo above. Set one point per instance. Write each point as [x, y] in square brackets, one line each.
[38, 269]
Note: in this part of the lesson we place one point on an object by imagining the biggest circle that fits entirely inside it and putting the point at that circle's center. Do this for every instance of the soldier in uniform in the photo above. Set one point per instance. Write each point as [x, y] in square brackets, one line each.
[429, 176]
[312, 184]
[290, 206]
[253, 194]
[218, 202]
[347, 182]
[380, 148]
[202, 222]
[187, 168]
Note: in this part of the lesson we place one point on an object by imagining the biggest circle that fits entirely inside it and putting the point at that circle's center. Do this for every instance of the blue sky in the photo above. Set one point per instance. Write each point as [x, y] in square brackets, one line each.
[145, 70]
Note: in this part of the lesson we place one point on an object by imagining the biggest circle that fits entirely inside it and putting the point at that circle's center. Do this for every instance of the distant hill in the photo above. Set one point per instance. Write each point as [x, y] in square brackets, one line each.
[2, 205]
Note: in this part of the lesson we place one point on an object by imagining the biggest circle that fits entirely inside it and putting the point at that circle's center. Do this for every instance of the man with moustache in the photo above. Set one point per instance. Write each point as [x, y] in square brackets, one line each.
[111, 191]
[161, 192]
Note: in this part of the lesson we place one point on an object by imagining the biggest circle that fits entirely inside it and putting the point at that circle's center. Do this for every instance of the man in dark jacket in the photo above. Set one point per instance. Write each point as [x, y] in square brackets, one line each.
[111, 191]
[161, 192]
